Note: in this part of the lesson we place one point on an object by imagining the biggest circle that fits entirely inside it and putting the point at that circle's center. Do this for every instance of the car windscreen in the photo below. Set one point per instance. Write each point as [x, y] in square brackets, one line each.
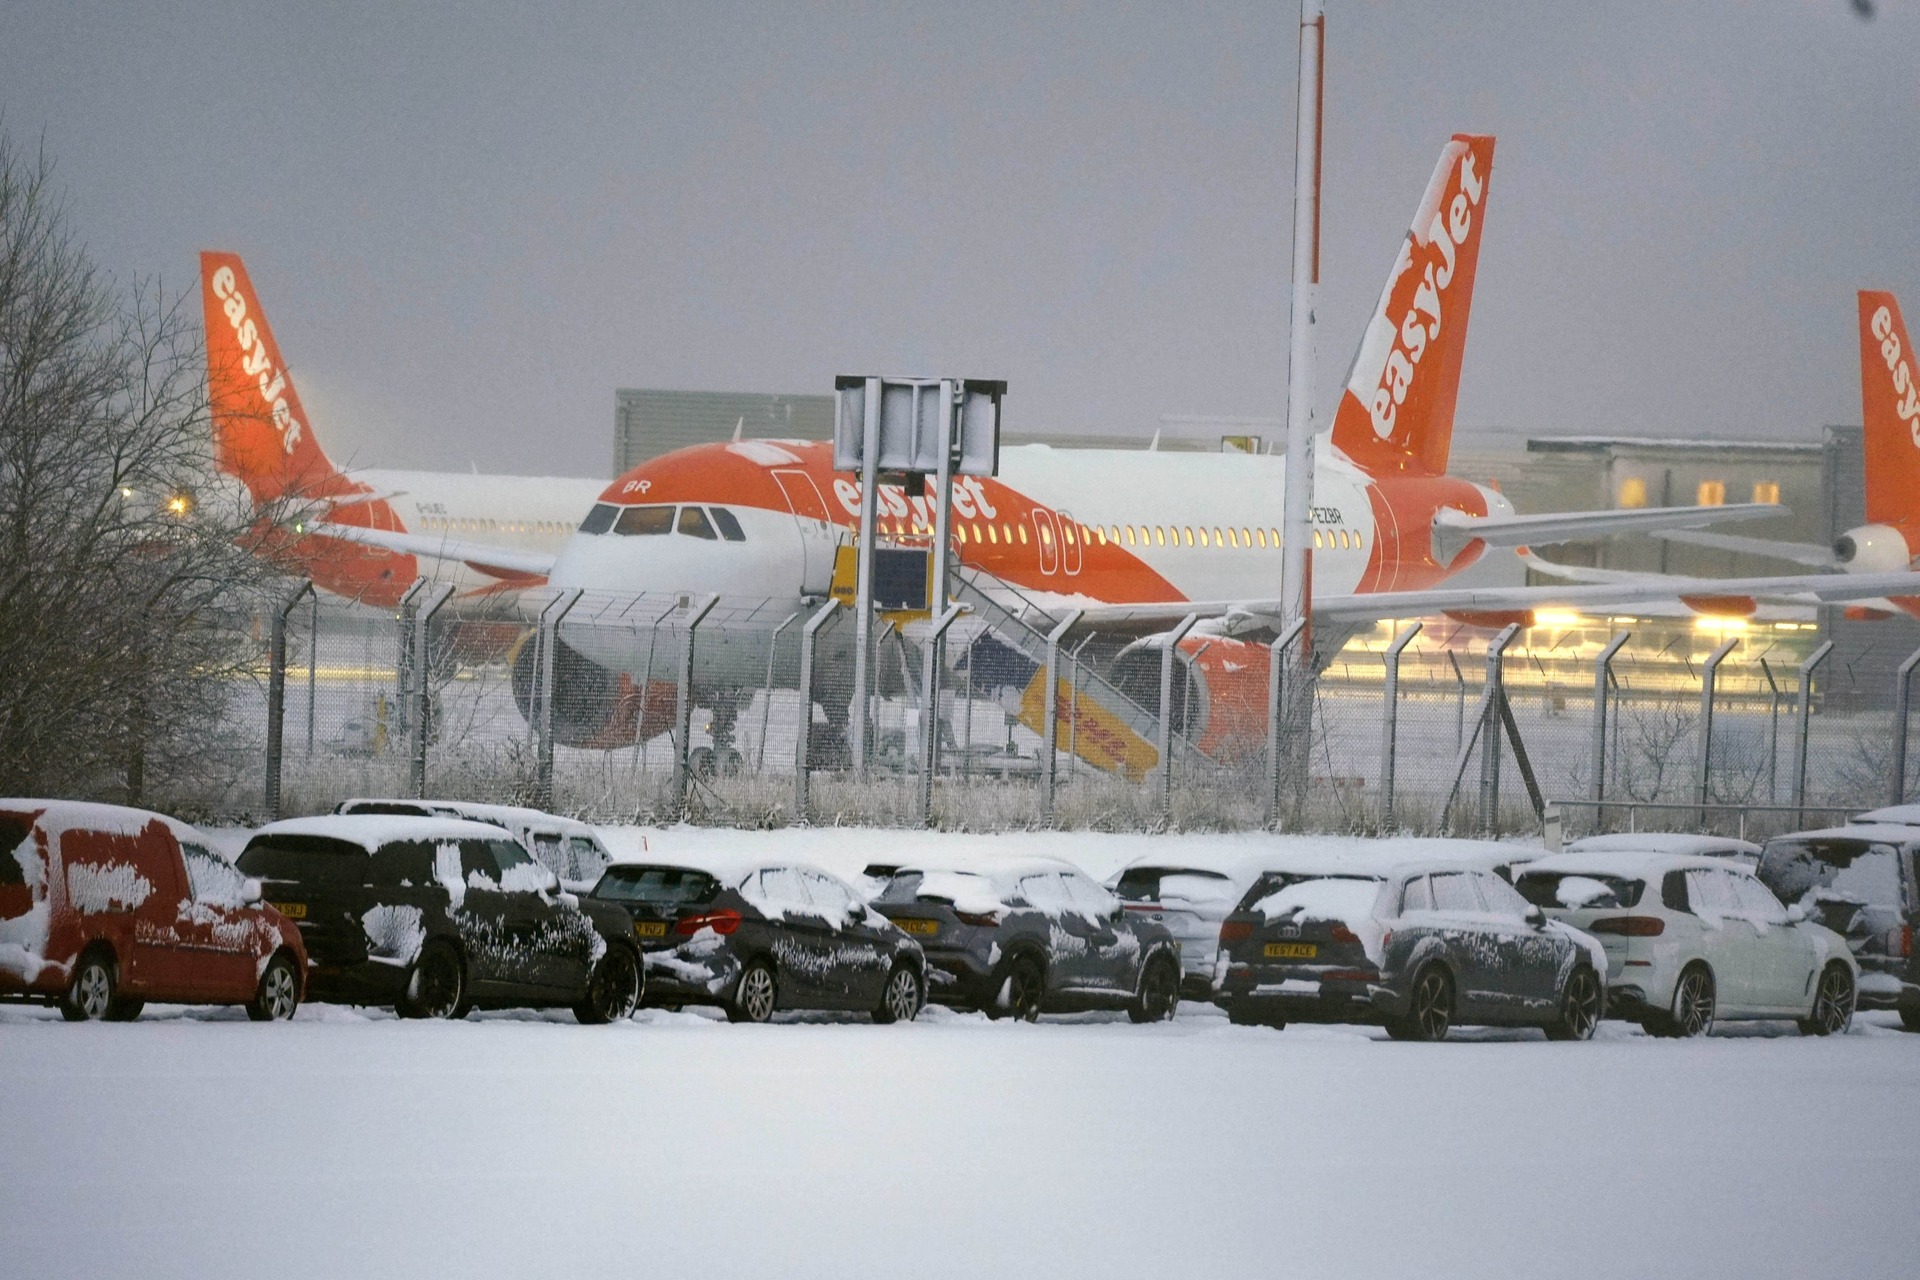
[1839, 868]
[1579, 890]
[656, 886]
[1151, 884]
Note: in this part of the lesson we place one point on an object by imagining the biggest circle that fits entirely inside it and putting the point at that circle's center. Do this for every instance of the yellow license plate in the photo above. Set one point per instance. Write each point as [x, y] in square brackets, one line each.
[924, 928]
[650, 929]
[1291, 950]
[291, 910]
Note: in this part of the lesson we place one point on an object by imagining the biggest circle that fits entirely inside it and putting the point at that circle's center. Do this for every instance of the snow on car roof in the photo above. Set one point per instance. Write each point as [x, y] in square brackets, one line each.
[67, 815]
[1664, 842]
[371, 830]
[478, 811]
[1905, 815]
[1003, 872]
[1889, 832]
[1639, 864]
[1383, 858]
[725, 866]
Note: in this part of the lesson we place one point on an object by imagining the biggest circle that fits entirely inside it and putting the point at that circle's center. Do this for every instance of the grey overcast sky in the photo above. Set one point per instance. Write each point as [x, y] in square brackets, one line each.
[470, 223]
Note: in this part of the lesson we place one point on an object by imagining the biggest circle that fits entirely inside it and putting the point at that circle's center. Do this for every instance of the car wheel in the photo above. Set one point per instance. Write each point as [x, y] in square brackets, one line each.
[757, 996]
[90, 995]
[1429, 1010]
[613, 992]
[1832, 1003]
[902, 997]
[1025, 989]
[1581, 1007]
[1693, 1003]
[1159, 996]
[437, 987]
[279, 992]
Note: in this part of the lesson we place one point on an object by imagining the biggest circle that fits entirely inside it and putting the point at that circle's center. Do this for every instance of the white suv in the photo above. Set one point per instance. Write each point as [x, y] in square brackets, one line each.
[1691, 941]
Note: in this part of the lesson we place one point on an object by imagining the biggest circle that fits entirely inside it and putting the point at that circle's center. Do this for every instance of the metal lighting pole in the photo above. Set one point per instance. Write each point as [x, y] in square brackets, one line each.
[1389, 728]
[863, 588]
[277, 697]
[1050, 715]
[1296, 516]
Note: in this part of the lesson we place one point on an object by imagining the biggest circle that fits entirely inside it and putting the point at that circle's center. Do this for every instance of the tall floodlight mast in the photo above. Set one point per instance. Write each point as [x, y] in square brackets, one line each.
[1295, 571]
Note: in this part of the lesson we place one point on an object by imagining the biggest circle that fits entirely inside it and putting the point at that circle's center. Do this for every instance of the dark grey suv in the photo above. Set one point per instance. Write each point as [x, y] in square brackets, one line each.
[1418, 947]
[1033, 936]
[1863, 882]
[756, 937]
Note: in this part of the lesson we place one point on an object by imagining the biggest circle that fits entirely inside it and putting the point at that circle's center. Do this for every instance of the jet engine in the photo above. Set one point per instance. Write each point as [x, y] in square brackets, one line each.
[592, 706]
[1872, 548]
[1219, 691]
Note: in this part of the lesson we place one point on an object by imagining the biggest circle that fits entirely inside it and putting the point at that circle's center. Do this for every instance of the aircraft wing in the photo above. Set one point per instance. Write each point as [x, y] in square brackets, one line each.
[1807, 553]
[501, 562]
[1453, 530]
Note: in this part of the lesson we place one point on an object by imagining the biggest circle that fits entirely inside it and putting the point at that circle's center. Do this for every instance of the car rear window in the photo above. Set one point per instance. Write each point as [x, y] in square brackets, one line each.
[656, 886]
[964, 890]
[319, 860]
[1151, 884]
[1848, 869]
[1579, 890]
[1322, 898]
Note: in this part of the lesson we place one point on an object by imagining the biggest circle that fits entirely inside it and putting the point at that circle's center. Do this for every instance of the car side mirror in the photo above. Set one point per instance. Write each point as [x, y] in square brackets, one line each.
[1535, 916]
[857, 912]
[250, 891]
[1796, 914]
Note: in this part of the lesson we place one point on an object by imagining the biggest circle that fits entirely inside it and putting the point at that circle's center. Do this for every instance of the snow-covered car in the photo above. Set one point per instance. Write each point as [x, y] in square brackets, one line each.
[1419, 946]
[1691, 941]
[1863, 882]
[104, 908]
[755, 936]
[438, 916]
[567, 847]
[1026, 936]
[1685, 843]
[1191, 902]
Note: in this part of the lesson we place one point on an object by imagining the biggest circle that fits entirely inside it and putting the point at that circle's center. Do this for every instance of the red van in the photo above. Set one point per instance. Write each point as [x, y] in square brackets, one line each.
[103, 909]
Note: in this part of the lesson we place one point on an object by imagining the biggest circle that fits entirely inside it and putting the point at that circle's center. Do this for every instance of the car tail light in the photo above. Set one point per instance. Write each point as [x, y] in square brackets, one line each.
[1233, 931]
[722, 922]
[1630, 926]
[1900, 941]
[1343, 934]
[978, 919]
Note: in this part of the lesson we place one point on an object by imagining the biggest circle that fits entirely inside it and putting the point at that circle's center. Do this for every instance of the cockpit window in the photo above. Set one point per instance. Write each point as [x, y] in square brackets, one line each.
[693, 523]
[636, 521]
[729, 524]
[600, 519]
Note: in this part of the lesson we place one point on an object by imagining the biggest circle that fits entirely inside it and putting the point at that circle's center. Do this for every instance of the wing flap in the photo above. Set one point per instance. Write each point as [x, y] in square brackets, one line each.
[502, 562]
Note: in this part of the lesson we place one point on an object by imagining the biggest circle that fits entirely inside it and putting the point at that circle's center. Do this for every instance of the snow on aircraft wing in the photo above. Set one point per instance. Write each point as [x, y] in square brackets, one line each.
[1807, 553]
[1453, 530]
[501, 562]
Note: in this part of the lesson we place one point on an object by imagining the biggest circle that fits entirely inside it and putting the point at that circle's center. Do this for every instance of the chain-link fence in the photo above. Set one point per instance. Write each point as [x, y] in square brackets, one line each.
[745, 712]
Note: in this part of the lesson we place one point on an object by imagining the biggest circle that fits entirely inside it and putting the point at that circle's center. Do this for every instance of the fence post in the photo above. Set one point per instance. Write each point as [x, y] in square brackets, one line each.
[313, 662]
[1389, 728]
[423, 689]
[1490, 731]
[1709, 677]
[1276, 687]
[1773, 733]
[1602, 677]
[1050, 714]
[549, 644]
[1168, 642]
[277, 698]
[766, 692]
[1807, 668]
[403, 673]
[930, 730]
[1902, 691]
[804, 738]
[683, 707]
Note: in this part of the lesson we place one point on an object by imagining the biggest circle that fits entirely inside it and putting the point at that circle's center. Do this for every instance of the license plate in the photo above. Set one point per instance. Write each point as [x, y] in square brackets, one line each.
[1291, 950]
[923, 928]
[650, 929]
[291, 910]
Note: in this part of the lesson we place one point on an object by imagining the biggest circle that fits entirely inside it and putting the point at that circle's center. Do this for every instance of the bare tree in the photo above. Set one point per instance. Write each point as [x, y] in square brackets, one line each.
[121, 568]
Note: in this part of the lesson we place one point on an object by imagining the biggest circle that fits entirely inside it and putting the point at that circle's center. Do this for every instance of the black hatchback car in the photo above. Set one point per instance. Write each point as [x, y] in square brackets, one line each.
[1418, 947]
[437, 916]
[1032, 936]
[1863, 882]
[755, 937]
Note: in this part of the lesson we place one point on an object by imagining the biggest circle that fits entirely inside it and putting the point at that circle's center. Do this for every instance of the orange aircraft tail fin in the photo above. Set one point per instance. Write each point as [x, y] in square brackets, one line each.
[1396, 414]
[1890, 405]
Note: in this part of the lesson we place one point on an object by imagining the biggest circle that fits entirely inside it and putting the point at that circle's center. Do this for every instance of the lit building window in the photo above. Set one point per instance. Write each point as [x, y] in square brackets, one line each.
[1712, 493]
[1633, 492]
[1766, 491]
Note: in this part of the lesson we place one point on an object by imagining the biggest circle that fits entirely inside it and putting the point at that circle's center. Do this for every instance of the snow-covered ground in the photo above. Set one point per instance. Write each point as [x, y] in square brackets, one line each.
[196, 1144]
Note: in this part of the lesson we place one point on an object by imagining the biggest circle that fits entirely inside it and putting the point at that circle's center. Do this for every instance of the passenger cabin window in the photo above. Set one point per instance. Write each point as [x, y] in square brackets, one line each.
[694, 523]
[644, 521]
[729, 524]
[600, 519]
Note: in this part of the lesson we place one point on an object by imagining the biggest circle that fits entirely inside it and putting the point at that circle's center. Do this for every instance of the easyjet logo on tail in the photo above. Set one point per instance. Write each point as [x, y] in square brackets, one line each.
[1905, 392]
[255, 361]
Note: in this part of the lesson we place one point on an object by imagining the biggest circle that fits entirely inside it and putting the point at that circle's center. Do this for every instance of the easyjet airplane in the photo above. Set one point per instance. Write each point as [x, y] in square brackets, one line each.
[1133, 536]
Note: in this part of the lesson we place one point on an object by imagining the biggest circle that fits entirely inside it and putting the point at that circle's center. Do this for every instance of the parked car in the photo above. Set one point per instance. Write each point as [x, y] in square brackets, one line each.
[758, 936]
[1419, 946]
[570, 849]
[1191, 902]
[1031, 936]
[439, 916]
[103, 909]
[1683, 843]
[1694, 941]
[1860, 881]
